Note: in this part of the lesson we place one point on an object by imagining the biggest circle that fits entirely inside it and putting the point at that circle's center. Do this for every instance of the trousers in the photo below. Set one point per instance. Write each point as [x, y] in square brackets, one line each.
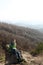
[17, 53]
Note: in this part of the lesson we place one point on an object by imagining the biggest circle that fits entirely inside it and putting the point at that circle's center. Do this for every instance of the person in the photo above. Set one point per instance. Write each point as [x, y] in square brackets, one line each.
[13, 49]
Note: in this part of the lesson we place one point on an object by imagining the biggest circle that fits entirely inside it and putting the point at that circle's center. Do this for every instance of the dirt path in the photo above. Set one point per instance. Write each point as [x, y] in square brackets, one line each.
[32, 60]
[27, 57]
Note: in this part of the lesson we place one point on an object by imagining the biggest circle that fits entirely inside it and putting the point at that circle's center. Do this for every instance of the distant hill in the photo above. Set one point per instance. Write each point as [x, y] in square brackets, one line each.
[41, 30]
[27, 38]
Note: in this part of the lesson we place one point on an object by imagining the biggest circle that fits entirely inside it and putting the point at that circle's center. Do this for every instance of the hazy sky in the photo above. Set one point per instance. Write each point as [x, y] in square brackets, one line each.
[30, 11]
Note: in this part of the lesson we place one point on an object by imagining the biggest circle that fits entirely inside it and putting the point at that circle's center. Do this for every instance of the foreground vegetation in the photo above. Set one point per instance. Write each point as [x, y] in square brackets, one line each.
[38, 50]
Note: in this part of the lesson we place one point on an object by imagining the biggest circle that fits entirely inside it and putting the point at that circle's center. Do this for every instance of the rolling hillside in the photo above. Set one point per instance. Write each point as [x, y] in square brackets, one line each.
[26, 37]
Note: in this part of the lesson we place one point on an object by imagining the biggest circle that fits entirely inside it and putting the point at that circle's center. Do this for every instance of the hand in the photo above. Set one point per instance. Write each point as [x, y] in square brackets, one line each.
[7, 45]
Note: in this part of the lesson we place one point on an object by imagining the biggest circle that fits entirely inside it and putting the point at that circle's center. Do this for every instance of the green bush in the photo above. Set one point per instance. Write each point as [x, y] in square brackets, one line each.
[38, 49]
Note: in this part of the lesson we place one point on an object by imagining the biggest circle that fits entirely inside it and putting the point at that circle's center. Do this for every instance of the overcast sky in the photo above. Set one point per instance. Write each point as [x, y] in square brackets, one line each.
[30, 11]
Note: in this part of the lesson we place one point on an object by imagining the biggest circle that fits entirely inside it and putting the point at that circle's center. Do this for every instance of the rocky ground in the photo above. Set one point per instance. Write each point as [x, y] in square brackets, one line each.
[30, 60]
[33, 60]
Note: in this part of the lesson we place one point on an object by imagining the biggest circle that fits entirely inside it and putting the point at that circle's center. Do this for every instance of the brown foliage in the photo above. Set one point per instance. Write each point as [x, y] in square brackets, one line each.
[26, 37]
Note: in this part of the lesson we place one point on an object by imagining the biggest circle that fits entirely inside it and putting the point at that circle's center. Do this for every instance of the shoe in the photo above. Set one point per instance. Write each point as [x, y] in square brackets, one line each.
[20, 60]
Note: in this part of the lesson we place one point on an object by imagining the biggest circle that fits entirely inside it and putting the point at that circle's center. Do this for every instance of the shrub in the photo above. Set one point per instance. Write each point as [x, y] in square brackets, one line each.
[38, 49]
